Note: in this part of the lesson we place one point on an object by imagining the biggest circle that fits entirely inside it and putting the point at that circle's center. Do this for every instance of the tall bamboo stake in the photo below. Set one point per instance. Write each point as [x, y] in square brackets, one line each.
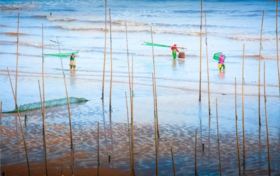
[218, 138]
[208, 81]
[277, 52]
[195, 154]
[200, 60]
[43, 69]
[155, 81]
[44, 132]
[236, 127]
[243, 113]
[17, 62]
[98, 161]
[105, 41]
[132, 77]
[267, 133]
[69, 112]
[22, 132]
[260, 57]
[111, 79]
[173, 164]
[155, 127]
[131, 104]
[128, 129]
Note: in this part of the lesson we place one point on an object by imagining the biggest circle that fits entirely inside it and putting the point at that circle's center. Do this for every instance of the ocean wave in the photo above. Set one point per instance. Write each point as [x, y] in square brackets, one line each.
[39, 45]
[9, 8]
[51, 18]
[12, 33]
[3, 25]
[251, 38]
[39, 16]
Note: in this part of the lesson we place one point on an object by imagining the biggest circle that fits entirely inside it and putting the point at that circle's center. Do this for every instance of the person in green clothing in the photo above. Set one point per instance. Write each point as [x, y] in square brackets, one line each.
[174, 51]
[72, 62]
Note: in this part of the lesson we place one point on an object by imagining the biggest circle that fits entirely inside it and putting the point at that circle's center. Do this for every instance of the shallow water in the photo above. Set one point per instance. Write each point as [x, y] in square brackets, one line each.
[79, 25]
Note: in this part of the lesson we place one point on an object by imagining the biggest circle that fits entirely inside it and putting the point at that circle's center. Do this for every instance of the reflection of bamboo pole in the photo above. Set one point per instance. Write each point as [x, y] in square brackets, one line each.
[62, 163]
[173, 164]
[236, 127]
[195, 154]
[128, 129]
[155, 127]
[44, 133]
[98, 161]
[209, 105]
[111, 80]
[41, 101]
[260, 57]
[200, 53]
[243, 114]
[69, 112]
[218, 138]
[22, 132]
[155, 79]
[267, 133]
[277, 52]
[17, 63]
[104, 62]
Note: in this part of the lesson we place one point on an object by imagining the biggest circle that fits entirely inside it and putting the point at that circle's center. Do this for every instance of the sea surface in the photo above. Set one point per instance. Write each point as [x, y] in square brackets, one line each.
[79, 25]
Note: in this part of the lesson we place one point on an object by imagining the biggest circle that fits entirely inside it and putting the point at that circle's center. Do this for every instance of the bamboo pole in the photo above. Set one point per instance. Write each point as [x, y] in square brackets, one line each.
[200, 60]
[277, 43]
[131, 107]
[208, 81]
[43, 69]
[218, 138]
[22, 132]
[236, 127]
[243, 113]
[17, 63]
[267, 133]
[111, 79]
[105, 42]
[69, 112]
[128, 130]
[195, 155]
[98, 161]
[173, 164]
[155, 127]
[132, 77]
[44, 133]
[155, 81]
[260, 57]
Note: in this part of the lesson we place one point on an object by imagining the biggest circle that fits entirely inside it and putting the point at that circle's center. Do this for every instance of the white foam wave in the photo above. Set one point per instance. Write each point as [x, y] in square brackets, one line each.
[51, 18]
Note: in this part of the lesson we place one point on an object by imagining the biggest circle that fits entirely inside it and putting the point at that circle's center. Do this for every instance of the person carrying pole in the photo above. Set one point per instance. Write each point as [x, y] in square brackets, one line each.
[174, 51]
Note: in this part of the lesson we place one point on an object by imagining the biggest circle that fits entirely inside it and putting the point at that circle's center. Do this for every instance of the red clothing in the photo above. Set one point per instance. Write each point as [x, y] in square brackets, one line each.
[174, 47]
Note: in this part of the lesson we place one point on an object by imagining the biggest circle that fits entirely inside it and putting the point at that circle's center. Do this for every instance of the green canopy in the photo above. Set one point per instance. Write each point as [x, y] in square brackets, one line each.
[62, 54]
[217, 55]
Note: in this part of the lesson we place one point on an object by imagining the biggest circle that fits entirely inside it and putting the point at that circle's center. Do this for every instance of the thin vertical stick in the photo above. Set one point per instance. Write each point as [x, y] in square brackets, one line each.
[43, 70]
[195, 154]
[98, 161]
[208, 81]
[236, 127]
[243, 113]
[44, 132]
[200, 60]
[131, 106]
[128, 129]
[41, 100]
[267, 133]
[155, 127]
[22, 132]
[218, 138]
[17, 63]
[105, 41]
[155, 82]
[132, 78]
[111, 80]
[260, 57]
[69, 112]
[277, 52]
[173, 164]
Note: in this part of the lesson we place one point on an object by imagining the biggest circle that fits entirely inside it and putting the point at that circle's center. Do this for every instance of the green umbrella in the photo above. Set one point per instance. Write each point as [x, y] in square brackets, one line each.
[217, 55]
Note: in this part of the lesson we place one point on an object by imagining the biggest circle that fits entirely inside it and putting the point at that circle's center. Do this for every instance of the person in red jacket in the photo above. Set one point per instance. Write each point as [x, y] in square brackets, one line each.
[174, 51]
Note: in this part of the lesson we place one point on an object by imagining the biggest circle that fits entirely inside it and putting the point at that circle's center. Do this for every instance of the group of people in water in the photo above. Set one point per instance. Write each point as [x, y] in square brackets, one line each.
[221, 63]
